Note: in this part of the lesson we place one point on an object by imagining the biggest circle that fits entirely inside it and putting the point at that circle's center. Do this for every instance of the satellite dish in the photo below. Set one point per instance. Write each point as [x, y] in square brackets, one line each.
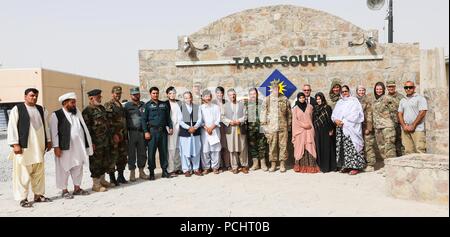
[375, 4]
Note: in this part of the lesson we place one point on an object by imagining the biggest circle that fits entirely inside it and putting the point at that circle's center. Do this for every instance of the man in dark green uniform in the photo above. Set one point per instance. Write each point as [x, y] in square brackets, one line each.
[157, 124]
[116, 115]
[95, 117]
[136, 143]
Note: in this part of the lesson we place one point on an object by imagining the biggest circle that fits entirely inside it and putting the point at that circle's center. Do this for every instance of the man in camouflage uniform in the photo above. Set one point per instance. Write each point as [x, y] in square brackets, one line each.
[391, 87]
[276, 120]
[116, 115]
[384, 115]
[368, 131]
[95, 117]
[257, 141]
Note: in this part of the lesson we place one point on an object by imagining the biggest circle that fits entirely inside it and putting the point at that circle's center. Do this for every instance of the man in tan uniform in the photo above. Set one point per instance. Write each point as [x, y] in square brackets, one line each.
[276, 120]
[392, 91]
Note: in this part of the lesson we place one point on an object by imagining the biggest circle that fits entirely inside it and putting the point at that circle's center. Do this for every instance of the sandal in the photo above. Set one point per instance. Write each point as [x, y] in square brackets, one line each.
[354, 172]
[66, 195]
[26, 204]
[80, 192]
[42, 198]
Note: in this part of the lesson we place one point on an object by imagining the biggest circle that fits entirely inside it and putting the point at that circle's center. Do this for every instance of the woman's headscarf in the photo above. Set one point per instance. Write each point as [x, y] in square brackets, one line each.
[303, 105]
[334, 97]
[349, 110]
[357, 89]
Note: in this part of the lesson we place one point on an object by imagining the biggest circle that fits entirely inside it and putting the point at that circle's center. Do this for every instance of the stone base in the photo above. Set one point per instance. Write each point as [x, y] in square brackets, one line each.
[419, 177]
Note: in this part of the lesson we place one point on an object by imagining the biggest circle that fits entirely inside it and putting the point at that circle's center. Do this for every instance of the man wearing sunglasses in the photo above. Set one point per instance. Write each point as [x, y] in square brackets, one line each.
[411, 114]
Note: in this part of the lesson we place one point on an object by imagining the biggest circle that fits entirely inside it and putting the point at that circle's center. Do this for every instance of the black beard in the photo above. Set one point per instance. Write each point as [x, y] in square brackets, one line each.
[73, 110]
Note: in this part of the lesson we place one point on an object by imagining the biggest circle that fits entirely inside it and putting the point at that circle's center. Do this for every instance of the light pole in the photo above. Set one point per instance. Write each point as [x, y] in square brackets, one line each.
[377, 5]
[391, 22]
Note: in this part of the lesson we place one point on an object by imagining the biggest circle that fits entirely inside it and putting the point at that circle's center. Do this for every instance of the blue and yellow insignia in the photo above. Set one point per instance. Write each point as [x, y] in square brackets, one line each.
[286, 87]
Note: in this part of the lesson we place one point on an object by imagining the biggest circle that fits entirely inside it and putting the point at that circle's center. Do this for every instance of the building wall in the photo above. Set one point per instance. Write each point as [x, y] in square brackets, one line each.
[58, 83]
[52, 84]
[276, 31]
[13, 83]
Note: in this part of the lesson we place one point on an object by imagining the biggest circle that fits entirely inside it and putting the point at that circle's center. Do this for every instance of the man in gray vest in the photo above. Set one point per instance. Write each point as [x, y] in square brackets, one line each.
[136, 143]
[234, 117]
[72, 145]
[29, 136]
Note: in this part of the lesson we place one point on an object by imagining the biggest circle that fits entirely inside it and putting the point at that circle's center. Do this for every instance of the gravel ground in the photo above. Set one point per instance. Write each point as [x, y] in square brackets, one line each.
[255, 194]
[5, 164]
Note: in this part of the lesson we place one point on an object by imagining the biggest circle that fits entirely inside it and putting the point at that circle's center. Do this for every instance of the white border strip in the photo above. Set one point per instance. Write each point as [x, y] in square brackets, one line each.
[232, 62]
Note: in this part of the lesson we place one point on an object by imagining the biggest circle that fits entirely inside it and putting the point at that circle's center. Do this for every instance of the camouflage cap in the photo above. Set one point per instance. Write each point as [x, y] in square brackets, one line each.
[390, 83]
[275, 83]
[94, 92]
[116, 89]
[336, 82]
[134, 91]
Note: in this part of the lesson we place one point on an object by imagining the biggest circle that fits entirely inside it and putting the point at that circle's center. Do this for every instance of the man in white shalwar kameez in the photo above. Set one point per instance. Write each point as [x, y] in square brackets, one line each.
[72, 145]
[234, 116]
[190, 120]
[174, 166]
[29, 135]
[210, 134]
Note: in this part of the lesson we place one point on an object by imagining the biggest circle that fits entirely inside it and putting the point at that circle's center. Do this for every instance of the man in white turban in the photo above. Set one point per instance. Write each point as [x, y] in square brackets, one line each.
[72, 145]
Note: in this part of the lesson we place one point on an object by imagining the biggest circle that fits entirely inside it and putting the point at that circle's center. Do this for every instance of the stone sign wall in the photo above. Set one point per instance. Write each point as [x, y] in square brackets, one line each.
[276, 31]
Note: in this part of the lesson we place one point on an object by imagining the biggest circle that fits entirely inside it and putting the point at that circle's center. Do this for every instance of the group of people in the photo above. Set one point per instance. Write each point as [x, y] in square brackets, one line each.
[200, 135]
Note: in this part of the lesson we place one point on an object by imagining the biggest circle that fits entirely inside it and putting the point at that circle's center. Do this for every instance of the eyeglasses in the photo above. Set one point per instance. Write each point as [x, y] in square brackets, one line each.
[409, 87]
[306, 90]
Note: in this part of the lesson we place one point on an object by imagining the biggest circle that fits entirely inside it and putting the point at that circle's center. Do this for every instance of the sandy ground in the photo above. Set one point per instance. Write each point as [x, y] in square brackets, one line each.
[256, 194]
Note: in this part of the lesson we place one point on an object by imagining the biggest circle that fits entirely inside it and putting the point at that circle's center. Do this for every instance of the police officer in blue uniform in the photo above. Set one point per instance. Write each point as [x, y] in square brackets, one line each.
[156, 124]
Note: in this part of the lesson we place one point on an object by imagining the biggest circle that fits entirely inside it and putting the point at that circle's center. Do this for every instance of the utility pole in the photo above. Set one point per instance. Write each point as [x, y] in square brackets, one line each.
[391, 22]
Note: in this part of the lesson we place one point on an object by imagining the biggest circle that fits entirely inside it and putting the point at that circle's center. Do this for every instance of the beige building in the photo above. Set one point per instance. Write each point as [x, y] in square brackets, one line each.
[51, 84]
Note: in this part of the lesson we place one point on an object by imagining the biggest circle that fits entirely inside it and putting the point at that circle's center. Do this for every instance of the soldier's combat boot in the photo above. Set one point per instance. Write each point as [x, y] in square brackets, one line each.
[120, 178]
[105, 183]
[142, 174]
[255, 165]
[97, 187]
[264, 165]
[369, 169]
[282, 166]
[112, 179]
[273, 166]
[133, 175]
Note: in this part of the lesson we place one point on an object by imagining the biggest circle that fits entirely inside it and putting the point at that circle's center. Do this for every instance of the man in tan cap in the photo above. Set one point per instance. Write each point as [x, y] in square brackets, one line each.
[116, 115]
[276, 119]
[392, 91]
[72, 145]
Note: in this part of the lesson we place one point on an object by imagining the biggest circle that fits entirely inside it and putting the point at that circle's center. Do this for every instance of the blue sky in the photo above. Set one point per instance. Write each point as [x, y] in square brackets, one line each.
[101, 38]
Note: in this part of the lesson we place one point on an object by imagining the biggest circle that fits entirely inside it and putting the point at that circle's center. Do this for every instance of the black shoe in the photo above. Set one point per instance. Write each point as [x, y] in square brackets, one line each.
[112, 179]
[121, 179]
[165, 174]
[151, 176]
